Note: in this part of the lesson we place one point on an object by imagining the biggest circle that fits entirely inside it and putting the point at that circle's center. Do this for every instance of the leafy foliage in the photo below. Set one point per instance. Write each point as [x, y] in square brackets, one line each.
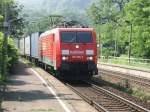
[13, 17]
[43, 24]
[9, 13]
[138, 12]
[113, 20]
[12, 52]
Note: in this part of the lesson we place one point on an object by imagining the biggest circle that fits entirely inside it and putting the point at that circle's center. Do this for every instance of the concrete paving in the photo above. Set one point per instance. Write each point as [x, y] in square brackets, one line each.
[66, 95]
[26, 92]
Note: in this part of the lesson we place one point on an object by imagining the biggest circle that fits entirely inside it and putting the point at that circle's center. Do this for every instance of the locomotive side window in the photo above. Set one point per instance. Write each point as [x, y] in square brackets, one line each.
[68, 36]
[84, 37]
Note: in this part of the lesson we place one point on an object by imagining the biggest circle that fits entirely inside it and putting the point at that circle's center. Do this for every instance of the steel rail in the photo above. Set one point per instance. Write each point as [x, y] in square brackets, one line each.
[139, 80]
[90, 101]
[127, 102]
[101, 108]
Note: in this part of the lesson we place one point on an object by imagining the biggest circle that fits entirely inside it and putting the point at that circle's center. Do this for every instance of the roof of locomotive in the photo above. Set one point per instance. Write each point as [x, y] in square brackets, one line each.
[65, 29]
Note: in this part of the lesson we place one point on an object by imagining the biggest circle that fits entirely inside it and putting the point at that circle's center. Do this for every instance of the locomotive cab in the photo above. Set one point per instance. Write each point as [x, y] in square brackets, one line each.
[70, 52]
[78, 52]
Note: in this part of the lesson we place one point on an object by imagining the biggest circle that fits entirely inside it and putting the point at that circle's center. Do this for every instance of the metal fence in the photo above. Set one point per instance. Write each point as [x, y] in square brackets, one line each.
[123, 60]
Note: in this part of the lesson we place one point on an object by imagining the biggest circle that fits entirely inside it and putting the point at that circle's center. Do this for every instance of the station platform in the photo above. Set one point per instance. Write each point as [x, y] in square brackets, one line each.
[130, 71]
[34, 90]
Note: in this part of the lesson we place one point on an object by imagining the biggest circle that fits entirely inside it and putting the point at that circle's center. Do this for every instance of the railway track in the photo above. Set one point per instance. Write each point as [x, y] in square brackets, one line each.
[131, 79]
[104, 100]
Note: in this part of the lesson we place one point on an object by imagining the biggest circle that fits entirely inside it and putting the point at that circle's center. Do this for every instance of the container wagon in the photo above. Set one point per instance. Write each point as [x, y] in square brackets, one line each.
[34, 55]
[22, 46]
[27, 47]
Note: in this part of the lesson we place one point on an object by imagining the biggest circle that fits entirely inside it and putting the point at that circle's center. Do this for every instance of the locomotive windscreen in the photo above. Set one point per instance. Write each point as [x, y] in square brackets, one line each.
[77, 37]
[68, 36]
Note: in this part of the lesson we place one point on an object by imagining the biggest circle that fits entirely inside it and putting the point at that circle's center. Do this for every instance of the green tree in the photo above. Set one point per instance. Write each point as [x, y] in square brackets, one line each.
[106, 17]
[16, 21]
[118, 20]
[43, 24]
[9, 12]
[138, 13]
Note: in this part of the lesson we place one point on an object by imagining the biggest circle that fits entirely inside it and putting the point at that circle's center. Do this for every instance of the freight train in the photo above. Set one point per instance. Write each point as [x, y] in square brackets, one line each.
[70, 53]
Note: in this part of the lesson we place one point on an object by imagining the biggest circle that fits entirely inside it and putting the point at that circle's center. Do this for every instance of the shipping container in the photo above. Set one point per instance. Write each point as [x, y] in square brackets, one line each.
[34, 45]
[27, 46]
[21, 46]
[16, 42]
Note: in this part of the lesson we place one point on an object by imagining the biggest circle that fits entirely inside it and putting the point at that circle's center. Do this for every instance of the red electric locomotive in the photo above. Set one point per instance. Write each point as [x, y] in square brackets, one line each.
[70, 52]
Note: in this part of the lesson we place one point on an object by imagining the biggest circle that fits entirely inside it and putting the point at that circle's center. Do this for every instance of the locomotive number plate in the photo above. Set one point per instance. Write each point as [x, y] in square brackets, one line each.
[77, 57]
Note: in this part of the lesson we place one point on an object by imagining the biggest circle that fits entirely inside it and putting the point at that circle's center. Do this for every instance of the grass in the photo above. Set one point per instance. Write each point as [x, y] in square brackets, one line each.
[119, 87]
[30, 64]
[132, 91]
[141, 94]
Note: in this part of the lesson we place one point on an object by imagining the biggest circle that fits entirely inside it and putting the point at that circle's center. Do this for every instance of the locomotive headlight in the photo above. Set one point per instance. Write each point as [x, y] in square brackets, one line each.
[64, 58]
[89, 58]
[89, 52]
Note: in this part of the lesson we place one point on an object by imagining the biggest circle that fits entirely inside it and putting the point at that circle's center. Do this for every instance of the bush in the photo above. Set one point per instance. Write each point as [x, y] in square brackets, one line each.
[11, 51]
[141, 94]
[1, 39]
[1, 18]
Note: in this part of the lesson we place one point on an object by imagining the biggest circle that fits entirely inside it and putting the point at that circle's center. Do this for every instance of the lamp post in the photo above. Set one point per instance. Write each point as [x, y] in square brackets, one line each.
[100, 46]
[130, 39]
[4, 46]
[6, 27]
[115, 34]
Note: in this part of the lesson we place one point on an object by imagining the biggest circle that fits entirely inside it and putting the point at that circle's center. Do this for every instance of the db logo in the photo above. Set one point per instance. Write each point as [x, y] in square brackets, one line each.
[76, 52]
